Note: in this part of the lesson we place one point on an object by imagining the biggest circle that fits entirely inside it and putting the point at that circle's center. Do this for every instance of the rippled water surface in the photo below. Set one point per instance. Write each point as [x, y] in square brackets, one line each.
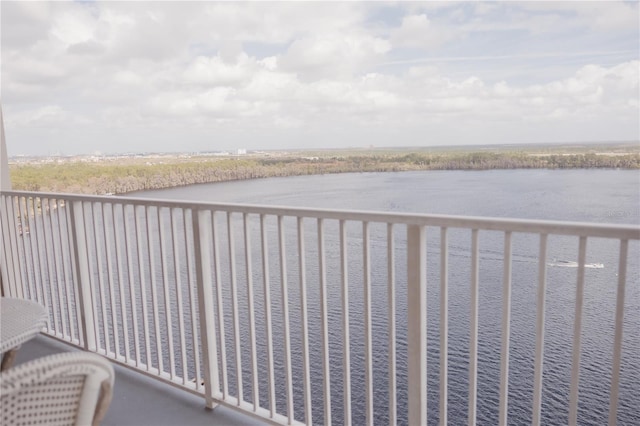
[604, 196]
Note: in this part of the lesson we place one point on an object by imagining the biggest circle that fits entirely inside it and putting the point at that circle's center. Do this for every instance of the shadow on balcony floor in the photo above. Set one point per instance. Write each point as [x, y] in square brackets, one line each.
[139, 400]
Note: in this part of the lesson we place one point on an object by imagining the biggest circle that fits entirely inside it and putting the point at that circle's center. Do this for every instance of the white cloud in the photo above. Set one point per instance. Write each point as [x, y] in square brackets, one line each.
[270, 84]
[24, 23]
[214, 71]
[418, 31]
[332, 56]
[602, 16]
[127, 78]
[266, 22]
[49, 116]
[344, 70]
[73, 26]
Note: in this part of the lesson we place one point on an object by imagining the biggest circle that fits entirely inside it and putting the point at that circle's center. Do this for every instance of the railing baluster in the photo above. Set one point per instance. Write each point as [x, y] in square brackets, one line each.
[57, 267]
[19, 242]
[56, 237]
[118, 262]
[22, 270]
[143, 281]
[285, 319]
[193, 298]
[368, 351]
[177, 268]
[97, 295]
[220, 307]
[154, 290]
[202, 243]
[100, 256]
[26, 220]
[4, 253]
[112, 292]
[346, 341]
[165, 288]
[326, 374]
[577, 337]
[473, 345]
[444, 326]
[13, 244]
[66, 262]
[66, 244]
[27, 224]
[252, 322]
[128, 238]
[109, 291]
[417, 323]
[35, 234]
[90, 245]
[18, 249]
[7, 253]
[33, 253]
[27, 281]
[50, 269]
[234, 306]
[82, 275]
[617, 340]
[28, 261]
[540, 311]
[267, 315]
[506, 330]
[308, 415]
[47, 230]
[22, 252]
[13, 219]
[16, 282]
[15, 204]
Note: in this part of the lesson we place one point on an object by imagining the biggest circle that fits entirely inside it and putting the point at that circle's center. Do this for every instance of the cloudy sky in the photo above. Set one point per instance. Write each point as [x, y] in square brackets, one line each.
[84, 77]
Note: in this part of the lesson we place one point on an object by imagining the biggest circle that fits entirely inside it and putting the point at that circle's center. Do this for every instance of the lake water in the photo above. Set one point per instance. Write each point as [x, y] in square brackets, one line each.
[602, 196]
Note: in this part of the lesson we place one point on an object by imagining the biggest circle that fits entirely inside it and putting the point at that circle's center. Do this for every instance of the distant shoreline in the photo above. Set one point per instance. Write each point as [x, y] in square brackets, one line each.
[133, 174]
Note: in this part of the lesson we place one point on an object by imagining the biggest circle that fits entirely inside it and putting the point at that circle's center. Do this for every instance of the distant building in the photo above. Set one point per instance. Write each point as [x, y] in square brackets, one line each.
[241, 151]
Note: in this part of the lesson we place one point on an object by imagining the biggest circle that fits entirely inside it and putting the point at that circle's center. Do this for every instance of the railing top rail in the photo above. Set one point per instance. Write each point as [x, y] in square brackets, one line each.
[583, 229]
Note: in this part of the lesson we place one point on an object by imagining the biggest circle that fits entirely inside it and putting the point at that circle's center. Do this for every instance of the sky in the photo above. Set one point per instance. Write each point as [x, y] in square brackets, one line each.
[159, 76]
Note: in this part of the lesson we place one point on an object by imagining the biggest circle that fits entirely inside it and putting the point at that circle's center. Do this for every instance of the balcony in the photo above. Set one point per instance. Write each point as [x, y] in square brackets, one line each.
[141, 400]
[307, 316]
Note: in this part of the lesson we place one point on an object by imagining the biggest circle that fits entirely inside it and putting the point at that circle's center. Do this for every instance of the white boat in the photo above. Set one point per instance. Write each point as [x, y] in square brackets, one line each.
[572, 264]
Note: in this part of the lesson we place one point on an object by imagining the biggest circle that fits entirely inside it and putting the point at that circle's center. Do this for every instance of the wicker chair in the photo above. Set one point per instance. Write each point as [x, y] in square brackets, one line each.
[64, 389]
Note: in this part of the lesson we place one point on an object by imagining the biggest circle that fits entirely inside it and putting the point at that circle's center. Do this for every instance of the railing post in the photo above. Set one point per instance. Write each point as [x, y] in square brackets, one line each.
[5, 185]
[81, 276]
[506, 331]
[5, 177]
[617, 340]
[473, 328]
[540, 319]
[577, 334]
[201, 239]
[5, 248]
[4, 279]
[417, 323]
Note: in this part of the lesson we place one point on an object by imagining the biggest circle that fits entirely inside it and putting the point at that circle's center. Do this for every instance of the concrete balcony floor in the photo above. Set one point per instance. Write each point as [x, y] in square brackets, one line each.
[139, 400]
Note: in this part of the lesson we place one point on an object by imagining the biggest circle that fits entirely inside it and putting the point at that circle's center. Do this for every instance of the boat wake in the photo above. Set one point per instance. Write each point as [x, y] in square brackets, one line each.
[572, 264]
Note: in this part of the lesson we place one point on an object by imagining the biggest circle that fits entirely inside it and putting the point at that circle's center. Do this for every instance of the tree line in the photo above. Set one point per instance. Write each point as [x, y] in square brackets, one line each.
[113, 178]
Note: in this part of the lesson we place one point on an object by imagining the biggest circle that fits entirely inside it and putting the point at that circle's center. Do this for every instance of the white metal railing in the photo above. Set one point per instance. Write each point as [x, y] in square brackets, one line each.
[275, 311]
